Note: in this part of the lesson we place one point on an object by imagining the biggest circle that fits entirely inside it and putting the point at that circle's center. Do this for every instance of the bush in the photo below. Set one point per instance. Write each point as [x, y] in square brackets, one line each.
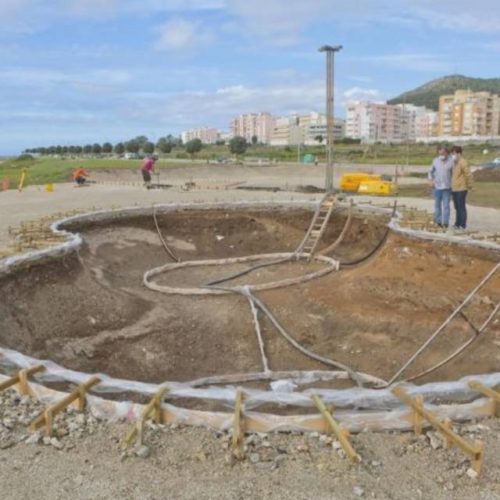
[25, 158]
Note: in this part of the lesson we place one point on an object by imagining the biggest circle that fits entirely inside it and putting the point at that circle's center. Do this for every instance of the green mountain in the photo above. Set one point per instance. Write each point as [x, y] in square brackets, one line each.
[428, 94]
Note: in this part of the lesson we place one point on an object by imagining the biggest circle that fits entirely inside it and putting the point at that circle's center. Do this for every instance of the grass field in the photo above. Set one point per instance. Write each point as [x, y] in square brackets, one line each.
[484, 194]
[45, 170]
[51, 169]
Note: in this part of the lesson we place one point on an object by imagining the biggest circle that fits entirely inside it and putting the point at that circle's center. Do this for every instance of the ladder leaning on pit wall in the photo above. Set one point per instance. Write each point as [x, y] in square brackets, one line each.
[318, 226]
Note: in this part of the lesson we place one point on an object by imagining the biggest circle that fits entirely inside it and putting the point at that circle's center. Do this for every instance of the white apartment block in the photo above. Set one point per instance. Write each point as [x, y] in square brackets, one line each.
[381, 122]
[251, 125]
[206, 135]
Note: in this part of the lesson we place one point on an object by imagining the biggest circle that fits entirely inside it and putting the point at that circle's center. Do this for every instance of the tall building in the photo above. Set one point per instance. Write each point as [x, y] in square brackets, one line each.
[249, 125]
[381, 122]
[467, 113]
[304, 129]
[206, 135]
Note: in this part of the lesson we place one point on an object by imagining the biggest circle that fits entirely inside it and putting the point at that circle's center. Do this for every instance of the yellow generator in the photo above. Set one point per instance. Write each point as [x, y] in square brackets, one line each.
[368, 184]
[350, 182]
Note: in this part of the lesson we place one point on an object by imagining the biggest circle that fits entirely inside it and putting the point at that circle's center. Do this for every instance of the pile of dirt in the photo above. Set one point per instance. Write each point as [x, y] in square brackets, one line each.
[487, 175]
[308, 188]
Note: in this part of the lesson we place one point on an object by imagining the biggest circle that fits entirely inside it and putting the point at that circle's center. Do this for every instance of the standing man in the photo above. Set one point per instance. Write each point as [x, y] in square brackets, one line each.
[147, 168]
[440, 181]
[461, 182]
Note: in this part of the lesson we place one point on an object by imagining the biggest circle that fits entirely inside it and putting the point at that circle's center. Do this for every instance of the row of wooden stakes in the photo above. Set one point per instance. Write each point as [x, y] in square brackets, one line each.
[153, 410]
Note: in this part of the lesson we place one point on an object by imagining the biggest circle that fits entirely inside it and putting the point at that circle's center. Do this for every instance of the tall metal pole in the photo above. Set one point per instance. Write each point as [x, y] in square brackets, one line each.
[330, 120]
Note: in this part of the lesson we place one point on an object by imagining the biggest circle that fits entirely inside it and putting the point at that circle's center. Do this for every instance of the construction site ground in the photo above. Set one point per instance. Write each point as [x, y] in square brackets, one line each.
[378, 315]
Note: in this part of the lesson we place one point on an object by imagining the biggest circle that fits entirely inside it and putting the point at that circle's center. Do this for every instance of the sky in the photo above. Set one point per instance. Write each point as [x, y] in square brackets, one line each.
[85, 71]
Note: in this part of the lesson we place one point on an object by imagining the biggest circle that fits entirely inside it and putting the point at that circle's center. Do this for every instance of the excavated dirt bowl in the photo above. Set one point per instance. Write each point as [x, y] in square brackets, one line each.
[90, 312]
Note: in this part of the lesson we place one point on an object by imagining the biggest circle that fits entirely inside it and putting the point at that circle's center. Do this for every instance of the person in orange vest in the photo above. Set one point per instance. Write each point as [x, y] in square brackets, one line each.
[80, 176]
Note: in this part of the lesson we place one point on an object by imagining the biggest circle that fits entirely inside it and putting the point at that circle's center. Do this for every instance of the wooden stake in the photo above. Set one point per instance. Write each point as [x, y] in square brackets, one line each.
[417, 418]
[341, 434]
[490, 393]
[238, 431]
[475, 451]
[154, 406]
[46, 418]
[21, 378]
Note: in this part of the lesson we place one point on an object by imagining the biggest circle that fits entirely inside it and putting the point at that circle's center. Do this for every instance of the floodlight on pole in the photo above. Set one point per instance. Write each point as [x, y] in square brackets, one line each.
[330, 51]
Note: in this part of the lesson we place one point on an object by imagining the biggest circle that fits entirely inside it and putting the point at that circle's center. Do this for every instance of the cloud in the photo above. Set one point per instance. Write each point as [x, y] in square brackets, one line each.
[41, 79]
[181, 34]
[409, 61]
[90, 8]
[358, 94]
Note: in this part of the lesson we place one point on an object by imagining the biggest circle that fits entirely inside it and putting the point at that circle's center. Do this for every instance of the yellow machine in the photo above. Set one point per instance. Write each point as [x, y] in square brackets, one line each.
[370, 184]
[350, 182]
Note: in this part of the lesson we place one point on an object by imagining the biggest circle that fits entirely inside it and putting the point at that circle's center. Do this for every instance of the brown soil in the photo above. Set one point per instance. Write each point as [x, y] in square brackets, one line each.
[93, 314]
[487, 175]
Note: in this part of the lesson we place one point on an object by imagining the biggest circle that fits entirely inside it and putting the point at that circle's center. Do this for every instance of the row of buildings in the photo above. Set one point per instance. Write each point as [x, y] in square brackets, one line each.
[264, 128]
[462, 115]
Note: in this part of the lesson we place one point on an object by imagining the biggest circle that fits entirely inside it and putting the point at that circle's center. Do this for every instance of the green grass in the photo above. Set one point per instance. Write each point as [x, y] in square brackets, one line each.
[45, 170]
[483, 194]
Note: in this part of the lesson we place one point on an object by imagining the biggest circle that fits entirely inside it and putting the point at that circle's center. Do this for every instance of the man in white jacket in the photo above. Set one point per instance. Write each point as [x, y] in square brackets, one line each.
[440, 180]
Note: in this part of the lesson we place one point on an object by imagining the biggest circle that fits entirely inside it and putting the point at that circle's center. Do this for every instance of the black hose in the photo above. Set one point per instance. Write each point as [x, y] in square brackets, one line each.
[375, 249]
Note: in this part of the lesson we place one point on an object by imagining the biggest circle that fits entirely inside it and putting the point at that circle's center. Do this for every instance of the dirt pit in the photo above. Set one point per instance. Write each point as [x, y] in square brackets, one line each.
[92, 313]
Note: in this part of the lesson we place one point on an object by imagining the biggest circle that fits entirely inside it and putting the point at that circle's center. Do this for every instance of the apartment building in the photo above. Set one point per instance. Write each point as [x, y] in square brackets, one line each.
[304, 129]
[467, 113]
[206, 135]
[382, 122]
[249, 125]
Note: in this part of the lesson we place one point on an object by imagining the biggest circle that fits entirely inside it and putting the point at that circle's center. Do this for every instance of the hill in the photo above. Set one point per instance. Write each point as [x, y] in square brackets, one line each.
[428, 94]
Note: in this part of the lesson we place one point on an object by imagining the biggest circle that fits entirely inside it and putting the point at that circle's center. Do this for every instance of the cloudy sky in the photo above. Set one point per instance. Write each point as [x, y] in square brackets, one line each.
[80, 71]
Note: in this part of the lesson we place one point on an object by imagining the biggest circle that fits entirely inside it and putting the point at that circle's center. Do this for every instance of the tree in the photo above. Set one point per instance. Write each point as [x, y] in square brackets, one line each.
[87, 149]
[255, 140]
[194, 146]
[58, 150]
[141, 140]
[175, 141]
[319, 138]
[148, 148]
[163, 145]
[64, 150]
[107, 147]
[238, 145]
[119, 148]
[96, 148]
[132, 146]
[220, 142]
[78, 150]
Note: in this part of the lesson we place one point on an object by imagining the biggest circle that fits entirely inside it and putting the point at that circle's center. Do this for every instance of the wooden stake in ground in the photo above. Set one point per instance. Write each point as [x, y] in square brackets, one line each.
[341, 434]
[475, 451]
[489, 393]
[80, 394]
[238, 431]
[21, 378]
[153, 407]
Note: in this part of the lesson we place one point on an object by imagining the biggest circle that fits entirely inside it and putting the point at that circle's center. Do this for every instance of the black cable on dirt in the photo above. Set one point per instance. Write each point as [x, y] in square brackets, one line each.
[377, 247]
[327, 361]
[248, 270]
[164, 243]
[265, 264]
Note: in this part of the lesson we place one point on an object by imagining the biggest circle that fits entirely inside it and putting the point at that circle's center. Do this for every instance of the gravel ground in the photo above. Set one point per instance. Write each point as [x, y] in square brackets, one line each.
[85, 461]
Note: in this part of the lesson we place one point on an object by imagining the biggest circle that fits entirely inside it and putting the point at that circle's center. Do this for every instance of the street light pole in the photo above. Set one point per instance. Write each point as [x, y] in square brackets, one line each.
[330, 123]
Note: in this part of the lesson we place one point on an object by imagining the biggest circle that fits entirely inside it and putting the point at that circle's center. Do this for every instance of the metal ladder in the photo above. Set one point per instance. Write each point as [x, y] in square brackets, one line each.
[318, 226]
